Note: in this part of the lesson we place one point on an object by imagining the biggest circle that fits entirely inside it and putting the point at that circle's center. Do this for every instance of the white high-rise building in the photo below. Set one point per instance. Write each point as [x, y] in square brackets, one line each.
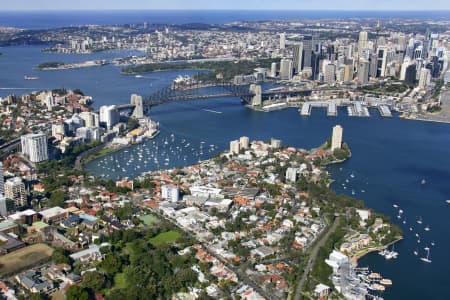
[363, 72]
[234, 147]
[286, 69]
[424, 78]
[34, 146]
[3, 209]
[405, 65]
[336, 139]
[282, 41]
[363, 38]
[109, 115]
[273, 70]
[15, 190]
[2, 180]
[170, 192]
[330, 73]
[91, 119]
[244, 142]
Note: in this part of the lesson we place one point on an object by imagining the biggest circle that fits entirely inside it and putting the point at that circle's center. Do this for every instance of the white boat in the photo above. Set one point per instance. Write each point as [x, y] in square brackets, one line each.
[427, 228]
[415, 253]
[400, 211]
[30, 77]
[395, 205]
[448, 201]
[419, 221]
[432, 243]
[352, 175]
[138, 76]
[426, 259]
[423, 181]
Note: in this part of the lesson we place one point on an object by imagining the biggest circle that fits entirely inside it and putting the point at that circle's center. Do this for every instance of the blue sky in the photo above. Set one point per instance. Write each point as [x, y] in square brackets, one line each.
[226, 4]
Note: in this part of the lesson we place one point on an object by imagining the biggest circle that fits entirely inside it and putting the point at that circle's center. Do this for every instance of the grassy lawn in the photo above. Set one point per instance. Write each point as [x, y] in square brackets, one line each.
[24, 258]
[168, 237]
[149, 220]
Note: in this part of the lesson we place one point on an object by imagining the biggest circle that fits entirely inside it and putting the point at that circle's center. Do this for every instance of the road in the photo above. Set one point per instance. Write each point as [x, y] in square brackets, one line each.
[313, 257]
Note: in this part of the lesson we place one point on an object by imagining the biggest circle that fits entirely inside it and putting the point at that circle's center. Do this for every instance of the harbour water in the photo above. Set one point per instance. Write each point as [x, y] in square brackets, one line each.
[390, 156]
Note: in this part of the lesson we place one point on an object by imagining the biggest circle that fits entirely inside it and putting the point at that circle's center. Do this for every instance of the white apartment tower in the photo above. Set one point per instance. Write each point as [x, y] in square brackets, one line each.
[2, 180]
[109, 115]
[15, 190]
[234, 147]
[336, 139]
[34, 146]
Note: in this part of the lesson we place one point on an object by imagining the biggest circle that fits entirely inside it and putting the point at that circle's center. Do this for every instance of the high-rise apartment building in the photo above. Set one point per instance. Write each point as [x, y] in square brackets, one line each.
[298, 57]
[286, 69]
[336, 139]
[234, 147]
[15, 190]
[282, 41]
[2, 180]
[363, 39]
[34, 146]
[109, 116]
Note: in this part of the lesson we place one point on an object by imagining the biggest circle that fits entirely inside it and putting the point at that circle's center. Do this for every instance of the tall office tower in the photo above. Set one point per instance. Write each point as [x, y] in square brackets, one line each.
[373, 65]
[405, 65]
[90, 119]
[424, 78]
[381, 61]
[34, 146]
[273, 70]
[15, 190]
[330, 73]
[427, 43]
[410, 74]
[3, 208]
[307, 51]
[2, 180]
[286, 68]
[244, 142]
[315, 65]
[336, 139]
[109, 115]
[363, 38]
[363, 72]
[234, 147]
[348, 72]
[298, 57]
[282, 41]
[418, 53]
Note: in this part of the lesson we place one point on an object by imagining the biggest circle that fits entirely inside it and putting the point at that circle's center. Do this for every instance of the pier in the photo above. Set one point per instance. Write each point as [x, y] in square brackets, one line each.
[354, 108]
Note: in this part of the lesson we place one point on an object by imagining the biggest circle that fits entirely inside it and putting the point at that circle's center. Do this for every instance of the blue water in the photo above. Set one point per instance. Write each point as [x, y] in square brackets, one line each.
[54, 19]
[390, 156]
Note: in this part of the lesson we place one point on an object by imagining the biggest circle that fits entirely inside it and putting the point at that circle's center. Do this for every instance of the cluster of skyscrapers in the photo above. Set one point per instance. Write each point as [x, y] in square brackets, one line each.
[410, 58]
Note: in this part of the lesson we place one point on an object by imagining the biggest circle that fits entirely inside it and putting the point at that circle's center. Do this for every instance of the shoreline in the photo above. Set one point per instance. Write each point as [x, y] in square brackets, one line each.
[354, 259]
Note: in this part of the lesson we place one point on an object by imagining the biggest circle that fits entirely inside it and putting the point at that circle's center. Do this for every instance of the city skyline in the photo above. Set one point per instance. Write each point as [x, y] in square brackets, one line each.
[344, 5]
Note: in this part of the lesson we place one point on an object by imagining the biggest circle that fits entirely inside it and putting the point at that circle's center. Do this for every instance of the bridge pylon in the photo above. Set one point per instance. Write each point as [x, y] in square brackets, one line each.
[138, 111]
[257, 91]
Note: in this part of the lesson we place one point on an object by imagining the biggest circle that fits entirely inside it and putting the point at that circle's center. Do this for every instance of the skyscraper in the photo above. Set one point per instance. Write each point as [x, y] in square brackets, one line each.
[234, 147]
[410, 74]
[282, 41]
[336, 139]
[330, 73]
[3, 208]
[363, 72]
[307, 51]
[363, 38]
[2, 180]
[286, 68]
[298, 57]
[424, 78]
[34, 146]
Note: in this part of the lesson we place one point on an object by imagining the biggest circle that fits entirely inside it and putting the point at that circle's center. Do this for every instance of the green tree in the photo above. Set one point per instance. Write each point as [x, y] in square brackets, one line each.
[58, 198]
[94, 280]
[76, 292]
[61, 256]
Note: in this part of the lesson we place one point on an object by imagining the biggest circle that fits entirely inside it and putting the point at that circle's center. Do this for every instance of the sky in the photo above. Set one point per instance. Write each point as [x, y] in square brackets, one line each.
[225, 4]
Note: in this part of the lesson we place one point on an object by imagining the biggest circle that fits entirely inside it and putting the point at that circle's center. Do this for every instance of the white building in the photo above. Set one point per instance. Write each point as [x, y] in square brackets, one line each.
[330, 73]
[282, 41]
[91, 119]
[170, 192]
[109, 115]
[286, 69]
[244, 142]
[336, 139]
[234, 147]
[2, 180]
[291, 174]
[15, 190]
[34, 146]
[88, 134]
[3, 210]
[363, 38]
[424, 78]
[275, 144]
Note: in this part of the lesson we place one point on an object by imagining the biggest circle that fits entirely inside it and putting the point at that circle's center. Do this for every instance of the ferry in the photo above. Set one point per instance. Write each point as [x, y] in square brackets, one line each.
[138, 76]
[30, 77]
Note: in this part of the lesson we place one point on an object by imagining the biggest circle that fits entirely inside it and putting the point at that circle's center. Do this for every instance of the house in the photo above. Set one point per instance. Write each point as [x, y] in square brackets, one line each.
[9, 243]
[263, 251]
[321, 290]
[34, 282]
